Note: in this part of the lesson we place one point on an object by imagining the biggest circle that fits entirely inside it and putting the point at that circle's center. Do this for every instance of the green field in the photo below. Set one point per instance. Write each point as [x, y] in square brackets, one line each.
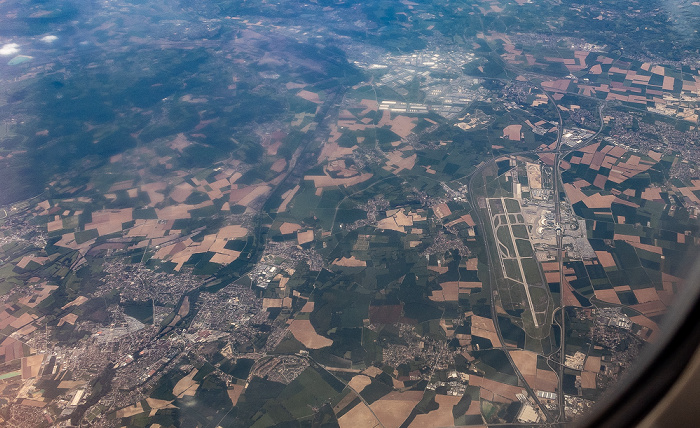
[503, 234]
[520, 231]
[524, 248]
[532, 271]
[539, 297]
[496, 206]
[512, 206]
[512, 269]
[308, 390]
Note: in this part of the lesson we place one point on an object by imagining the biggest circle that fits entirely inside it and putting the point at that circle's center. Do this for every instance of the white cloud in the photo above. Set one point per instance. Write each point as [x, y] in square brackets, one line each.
[49, 39]
[9, 49]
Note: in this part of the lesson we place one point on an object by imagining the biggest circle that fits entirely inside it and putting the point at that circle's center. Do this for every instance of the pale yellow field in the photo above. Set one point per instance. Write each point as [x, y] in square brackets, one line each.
[389, 223]
[449, 292]
[279, 165]
[253, 195]
[232, 232]
[304, 237]
[224, 259]
[308, 307]
[403, 219]
[350, 262]
[648, 323]
[370, 105]
[288, 195]
[157, 404]
[179, 143]
[359, 382]
[55, 225]
[606, 259]
[442, 210]
[403, 125]
[75, 302]
[546, 380]
[372, 371]
[394, 408]
[32, 258]
[121, 185]
[592, 364]
[332, 150]
[359, 416]
[31, 365]
[309, 96]
[23, 320]
[269, 302]
[646, 295]
[287, 228]
[173, 212]
[154, 192]
[304, 332]
[109, 221]
[442, 417]
[186, 385]
[396, 160]
[181, 192]
[484, 327]
[130, 411]
[234, 393]
[69, 318]
[526, 361]
[185, 307]
[587, 380]
[328, 181]
[607, 296]
[512, 132]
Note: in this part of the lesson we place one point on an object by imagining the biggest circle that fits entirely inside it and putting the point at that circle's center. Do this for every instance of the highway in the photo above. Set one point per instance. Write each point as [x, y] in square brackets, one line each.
[558, 184]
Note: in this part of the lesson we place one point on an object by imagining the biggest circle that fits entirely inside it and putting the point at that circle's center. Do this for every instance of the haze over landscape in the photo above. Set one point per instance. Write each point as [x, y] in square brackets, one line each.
[339, 212]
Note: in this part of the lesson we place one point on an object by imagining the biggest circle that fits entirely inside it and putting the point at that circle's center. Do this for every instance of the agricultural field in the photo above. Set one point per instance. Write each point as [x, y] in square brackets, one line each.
[268, 214]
